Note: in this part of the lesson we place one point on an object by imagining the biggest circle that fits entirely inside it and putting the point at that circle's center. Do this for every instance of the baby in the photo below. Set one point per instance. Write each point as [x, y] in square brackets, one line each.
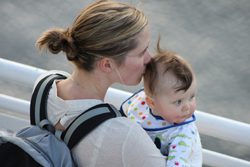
[165, 109]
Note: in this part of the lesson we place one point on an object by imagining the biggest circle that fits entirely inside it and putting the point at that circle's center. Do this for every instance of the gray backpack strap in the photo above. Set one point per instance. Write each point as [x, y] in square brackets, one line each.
[80, 127]
[38, 103]
[87, 121]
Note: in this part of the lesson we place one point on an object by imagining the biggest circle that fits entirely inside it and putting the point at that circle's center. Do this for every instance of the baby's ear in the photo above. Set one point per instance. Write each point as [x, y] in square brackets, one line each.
[150, 102]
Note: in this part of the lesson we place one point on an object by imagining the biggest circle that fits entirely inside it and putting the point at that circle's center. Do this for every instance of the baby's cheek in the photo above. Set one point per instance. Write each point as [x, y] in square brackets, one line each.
[193, 107]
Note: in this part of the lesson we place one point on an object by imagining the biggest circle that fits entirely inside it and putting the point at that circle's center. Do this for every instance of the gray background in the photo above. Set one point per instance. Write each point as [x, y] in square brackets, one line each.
[213, 35]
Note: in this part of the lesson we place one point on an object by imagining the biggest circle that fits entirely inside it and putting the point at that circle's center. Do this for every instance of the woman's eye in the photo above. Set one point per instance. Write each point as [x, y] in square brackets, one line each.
[142, 53]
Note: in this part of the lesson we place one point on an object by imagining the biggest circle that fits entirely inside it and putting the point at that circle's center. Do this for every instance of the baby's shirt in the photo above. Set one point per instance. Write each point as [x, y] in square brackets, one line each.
[179, 142]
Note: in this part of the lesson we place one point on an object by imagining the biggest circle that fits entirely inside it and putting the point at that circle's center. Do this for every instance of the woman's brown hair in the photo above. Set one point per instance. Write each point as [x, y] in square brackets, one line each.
[105, 28]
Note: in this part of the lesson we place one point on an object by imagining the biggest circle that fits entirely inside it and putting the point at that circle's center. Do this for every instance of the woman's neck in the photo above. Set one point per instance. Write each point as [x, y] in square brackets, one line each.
[83, 85]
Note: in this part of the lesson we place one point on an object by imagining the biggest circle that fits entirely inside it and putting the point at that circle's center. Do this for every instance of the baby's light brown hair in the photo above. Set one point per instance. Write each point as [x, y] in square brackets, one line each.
[167, 62]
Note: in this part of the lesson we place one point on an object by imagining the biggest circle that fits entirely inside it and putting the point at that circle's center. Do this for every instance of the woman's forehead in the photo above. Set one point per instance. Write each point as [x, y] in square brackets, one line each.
[142, 39]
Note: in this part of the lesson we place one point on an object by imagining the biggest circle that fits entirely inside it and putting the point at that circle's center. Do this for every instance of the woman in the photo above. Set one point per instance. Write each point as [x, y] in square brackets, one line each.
[107, 43]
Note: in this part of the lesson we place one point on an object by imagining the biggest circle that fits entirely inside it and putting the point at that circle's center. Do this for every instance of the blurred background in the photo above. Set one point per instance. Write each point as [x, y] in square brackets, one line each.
[214, 36]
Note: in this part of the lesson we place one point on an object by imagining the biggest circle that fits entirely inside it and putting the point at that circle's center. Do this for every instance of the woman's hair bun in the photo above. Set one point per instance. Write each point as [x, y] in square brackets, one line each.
[55, 40]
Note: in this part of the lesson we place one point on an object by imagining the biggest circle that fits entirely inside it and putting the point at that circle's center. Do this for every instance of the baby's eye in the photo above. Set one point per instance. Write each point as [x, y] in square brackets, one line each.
[178, 102]
[192, 97]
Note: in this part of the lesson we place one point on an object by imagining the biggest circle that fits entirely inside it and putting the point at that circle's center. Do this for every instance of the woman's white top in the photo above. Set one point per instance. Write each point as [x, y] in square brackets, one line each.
[117, 142]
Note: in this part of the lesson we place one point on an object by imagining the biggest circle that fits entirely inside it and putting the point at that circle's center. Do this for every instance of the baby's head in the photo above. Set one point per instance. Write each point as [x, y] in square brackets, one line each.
[170, 86]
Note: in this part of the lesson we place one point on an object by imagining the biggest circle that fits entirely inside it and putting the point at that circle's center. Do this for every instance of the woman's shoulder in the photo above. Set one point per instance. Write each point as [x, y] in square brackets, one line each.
[47, 73]
[123, 128]
[120, 128]
[125, 138]
[123, 123]
[135, 142]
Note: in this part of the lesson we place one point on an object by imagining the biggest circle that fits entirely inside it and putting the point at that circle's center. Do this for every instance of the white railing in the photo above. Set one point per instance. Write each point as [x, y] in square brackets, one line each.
[208, 124]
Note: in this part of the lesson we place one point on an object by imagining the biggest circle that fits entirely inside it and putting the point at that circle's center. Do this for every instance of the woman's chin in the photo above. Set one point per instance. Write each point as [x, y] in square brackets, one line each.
[134, 83]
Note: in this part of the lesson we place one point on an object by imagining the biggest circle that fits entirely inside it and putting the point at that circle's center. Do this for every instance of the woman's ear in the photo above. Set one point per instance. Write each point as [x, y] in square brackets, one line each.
[105, 64]
[150, 102]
